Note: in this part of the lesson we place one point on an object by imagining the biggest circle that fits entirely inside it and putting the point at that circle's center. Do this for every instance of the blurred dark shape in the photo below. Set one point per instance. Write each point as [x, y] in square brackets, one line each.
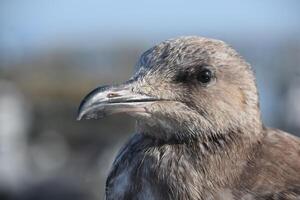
[292, 106]
[6, 194]
[58, 189]
[55, 188]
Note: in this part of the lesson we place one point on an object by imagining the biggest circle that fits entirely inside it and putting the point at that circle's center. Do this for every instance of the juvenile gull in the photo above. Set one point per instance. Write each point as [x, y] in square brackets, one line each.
[199, 131]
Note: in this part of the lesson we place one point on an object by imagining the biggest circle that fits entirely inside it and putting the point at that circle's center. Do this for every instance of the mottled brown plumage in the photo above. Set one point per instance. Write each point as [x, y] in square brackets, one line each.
[199, 130]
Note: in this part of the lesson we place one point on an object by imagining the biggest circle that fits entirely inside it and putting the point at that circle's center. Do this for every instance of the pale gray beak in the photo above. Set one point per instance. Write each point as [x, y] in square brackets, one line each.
[107, 100]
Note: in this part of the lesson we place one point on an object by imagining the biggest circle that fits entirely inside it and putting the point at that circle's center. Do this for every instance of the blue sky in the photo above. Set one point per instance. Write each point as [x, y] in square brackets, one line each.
[29, 24]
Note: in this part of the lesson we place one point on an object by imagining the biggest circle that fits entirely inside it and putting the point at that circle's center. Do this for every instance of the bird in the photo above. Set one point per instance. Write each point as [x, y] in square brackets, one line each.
[199, 131]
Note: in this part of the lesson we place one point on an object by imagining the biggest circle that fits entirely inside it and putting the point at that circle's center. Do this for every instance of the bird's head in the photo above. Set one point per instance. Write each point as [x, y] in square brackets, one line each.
[183, 88]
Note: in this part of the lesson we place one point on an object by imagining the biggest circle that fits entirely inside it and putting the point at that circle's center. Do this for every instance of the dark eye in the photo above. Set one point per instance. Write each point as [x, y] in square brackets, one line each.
[205, 76]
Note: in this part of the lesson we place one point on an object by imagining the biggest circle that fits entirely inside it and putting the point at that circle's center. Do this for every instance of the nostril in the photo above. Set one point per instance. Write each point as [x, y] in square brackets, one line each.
[112, 95]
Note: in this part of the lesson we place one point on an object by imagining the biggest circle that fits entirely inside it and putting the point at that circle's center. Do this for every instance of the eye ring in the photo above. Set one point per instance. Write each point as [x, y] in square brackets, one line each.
[205, 76]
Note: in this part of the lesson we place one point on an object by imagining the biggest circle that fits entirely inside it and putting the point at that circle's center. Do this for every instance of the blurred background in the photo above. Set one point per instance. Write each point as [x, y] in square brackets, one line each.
[53, 52]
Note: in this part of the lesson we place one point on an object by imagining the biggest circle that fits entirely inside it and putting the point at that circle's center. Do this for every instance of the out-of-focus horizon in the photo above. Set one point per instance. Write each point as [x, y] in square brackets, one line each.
[52, 52]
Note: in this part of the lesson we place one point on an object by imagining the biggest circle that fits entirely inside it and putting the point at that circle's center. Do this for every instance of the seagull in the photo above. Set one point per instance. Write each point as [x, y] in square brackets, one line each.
[199, 133]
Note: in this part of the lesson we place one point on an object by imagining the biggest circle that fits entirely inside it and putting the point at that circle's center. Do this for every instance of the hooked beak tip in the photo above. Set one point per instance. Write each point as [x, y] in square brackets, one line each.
[80, 115]
[78, 118]
[81, 112]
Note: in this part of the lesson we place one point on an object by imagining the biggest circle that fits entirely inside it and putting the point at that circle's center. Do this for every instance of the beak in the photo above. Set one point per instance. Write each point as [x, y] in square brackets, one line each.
[107, 100]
